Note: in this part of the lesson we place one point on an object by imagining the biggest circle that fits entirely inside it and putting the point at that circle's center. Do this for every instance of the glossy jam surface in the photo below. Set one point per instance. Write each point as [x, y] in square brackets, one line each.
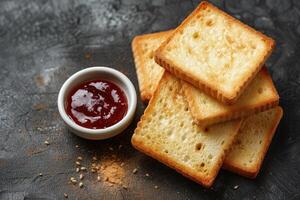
[96, 104]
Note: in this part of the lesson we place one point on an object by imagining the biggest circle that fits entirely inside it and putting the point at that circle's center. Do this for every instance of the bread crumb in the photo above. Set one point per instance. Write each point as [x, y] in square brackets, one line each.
[73, 180]
[134, 171]
[94, 168]
[156, 187]
[81, 176]
[147, 175]
[77, 163]
[109, 170]
[112, 172]
[236, 187]
[83, 168]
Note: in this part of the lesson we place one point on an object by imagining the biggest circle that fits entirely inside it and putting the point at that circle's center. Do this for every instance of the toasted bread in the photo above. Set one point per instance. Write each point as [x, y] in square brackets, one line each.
[252, 142]
[215, 52]
[167, 133]
[148, 72]
[260, 95]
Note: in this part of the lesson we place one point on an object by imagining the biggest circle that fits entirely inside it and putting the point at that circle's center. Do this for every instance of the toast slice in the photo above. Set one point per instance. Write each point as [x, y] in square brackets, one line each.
[148, 72]
[215, 52]
[260, 95]
[167, 133]
[252, 142]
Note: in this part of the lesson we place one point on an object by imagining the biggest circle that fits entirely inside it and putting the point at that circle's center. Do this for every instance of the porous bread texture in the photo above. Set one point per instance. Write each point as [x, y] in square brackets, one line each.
[148, 72]
[167, 133]
[215, 52]
[260, 95]
[252, 142]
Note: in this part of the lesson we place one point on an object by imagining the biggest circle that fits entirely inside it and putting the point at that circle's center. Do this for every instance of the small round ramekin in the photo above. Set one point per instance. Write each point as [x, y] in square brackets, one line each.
[96, 73]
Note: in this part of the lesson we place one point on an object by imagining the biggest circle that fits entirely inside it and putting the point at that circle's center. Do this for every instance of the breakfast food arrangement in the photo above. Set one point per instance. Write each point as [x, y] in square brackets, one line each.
[212, 103]
[150, 100]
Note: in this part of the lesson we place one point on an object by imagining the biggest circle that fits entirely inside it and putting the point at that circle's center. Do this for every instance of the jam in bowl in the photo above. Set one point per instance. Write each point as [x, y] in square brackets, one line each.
[97, 103]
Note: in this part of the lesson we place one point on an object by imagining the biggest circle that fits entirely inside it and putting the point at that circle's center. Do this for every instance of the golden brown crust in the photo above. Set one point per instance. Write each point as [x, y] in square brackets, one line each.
[139, 61]
[236, 169]
[235, 112]
[184, 170]
[252, 172]
[210, 89]
[140, 71]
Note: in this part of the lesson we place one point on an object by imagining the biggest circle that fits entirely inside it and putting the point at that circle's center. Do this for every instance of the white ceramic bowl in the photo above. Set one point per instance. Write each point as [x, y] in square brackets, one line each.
[93, 73]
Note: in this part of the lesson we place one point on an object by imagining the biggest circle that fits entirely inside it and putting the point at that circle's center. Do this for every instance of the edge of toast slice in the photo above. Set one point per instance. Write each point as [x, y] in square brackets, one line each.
[235, 111]
[147, 84]
[211, 89]
[251, 171]
[140, 141]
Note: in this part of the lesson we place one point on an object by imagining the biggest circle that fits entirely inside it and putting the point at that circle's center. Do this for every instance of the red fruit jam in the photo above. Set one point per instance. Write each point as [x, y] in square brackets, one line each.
[96, 104]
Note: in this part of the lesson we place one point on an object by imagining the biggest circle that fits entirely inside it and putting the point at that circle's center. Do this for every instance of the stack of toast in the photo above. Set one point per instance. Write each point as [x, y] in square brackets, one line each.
[212, 101]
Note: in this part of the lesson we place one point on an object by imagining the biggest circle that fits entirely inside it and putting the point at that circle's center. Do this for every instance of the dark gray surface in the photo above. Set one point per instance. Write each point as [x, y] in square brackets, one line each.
[43, 42]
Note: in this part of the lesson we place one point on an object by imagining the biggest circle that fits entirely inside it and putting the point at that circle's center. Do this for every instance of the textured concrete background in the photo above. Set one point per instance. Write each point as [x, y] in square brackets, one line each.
[44, 42]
